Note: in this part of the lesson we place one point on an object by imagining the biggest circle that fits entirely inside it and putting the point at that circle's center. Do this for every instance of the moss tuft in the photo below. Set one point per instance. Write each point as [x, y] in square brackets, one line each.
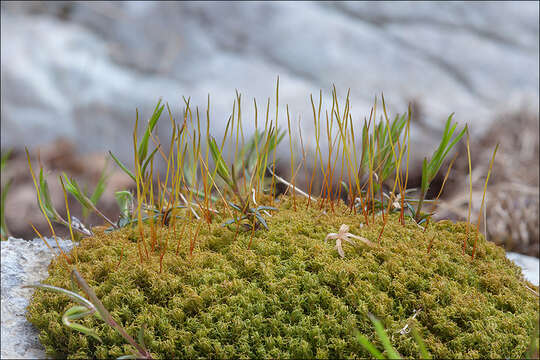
[291, 295]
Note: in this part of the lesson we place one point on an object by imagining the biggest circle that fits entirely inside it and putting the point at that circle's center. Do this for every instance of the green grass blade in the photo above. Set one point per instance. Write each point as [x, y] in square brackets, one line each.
[229, 222]
[3, 159]
[454, 142]
[140, 335]
[73, 188]
[424, 354]
[392, 353]
[221, 167]
[260, 208]
[280, 135]
[3, 195]
[447, 125]
[124, 199]
[149, 159]
[261, 220]
[234, 206]
[100, 187]
[105, 315]
[369, 346]
[444, 147]
[76, 297]
[78, 312]
[425, 175]
[46, 197]
[444, 141]
[122, 166]
[143, 146]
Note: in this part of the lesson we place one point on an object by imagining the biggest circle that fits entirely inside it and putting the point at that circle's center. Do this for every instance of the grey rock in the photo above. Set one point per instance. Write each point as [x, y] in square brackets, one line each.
[80, 69]
[529, 265]
[23, 263]
[68, 87]
[26, 262]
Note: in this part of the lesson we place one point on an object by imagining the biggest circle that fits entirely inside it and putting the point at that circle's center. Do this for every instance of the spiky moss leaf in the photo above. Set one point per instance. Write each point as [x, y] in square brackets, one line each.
[291, 295]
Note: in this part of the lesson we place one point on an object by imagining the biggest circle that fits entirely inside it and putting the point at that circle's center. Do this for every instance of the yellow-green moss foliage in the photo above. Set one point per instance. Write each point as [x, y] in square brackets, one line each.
[291, 295]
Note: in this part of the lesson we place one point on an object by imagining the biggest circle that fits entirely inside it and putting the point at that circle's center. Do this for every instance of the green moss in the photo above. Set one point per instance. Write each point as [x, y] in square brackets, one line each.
[291, 295]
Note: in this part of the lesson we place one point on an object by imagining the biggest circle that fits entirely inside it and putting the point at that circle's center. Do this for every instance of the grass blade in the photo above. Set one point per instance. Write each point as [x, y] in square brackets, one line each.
[221, 167]
[4, 233]
[3, 159]
[3, 195]
[100, 187]
[105, 315]
[122, 166]
[75, 313]
[424, 354]
[73, 188]
[149, 159]
[45, 196]
[143, 146]
[369, 346]
[470, 193]
[124, 199]
[74, 296]
[261, 220]
[392, 353]
[483, 199]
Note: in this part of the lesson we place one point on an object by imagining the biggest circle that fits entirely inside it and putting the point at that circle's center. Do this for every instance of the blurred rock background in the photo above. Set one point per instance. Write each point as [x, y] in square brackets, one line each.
[73, 73]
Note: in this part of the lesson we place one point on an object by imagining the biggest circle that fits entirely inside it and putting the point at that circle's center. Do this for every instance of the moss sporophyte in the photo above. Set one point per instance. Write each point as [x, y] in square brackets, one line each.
[212, 260]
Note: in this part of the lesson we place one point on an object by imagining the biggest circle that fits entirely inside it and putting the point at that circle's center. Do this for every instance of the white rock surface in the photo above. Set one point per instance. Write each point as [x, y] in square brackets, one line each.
[23, 263]
[529, 264]
[26, 262]
[80, 69]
